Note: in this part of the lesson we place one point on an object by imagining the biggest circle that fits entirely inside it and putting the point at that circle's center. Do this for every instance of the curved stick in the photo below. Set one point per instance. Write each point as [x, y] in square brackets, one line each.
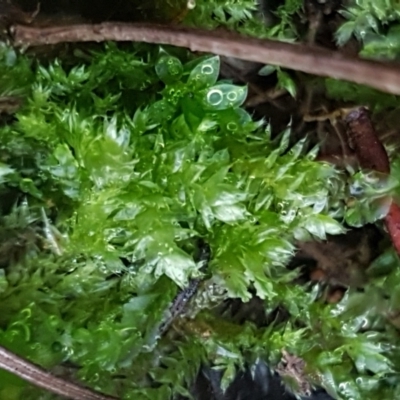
[39, 377]
[305, 58]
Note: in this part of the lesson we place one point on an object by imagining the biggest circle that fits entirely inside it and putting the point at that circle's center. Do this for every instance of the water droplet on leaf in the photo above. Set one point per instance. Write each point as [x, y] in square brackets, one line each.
[215, 97]
[232, 126]
[207, 69]
[232, 96]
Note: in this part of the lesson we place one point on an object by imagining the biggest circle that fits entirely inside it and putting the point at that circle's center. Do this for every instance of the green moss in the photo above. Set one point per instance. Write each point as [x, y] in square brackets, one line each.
[114, 168]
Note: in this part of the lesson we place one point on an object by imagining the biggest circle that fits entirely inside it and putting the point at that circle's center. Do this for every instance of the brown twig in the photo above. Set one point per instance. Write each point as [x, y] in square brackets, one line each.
[10, 104]
[39, 377]
[309, 59]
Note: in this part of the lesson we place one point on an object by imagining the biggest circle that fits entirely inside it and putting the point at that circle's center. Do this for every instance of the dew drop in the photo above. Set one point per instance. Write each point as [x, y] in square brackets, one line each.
[191, 4]
[365, 323]
[342, 387]
[207, 69]
[215, 97]
[232, 126]
[232, 96]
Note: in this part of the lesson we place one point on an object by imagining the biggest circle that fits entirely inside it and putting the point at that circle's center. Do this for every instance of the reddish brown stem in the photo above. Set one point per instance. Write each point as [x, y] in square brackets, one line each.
[392, 222]
[39, 377]
[370, 152]
[310, 59]
[372, 155]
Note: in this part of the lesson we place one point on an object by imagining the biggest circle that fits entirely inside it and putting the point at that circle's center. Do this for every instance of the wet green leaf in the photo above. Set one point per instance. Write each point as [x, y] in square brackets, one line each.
[4, 171]
[204, 74]
[321, 225]
[267, 70]
[222, 97]
[169, 69]
[286, 82]
[110, 210]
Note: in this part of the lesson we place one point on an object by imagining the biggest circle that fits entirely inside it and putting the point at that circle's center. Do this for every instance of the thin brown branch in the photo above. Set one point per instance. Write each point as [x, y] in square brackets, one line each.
[309, 59]
[39, 377]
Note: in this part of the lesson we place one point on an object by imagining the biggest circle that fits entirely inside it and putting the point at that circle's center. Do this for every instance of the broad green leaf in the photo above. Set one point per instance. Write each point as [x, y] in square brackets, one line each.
[204, 74]
[4, 171]
[321, 225]
[222, 97]
[228, 376]
[160, 112]
[286, 82]
[232, 273]
[267, 70]
[169, 69]
[3, 281]
[230, 213]
[345, 32]
[177, 265]
[65, 169]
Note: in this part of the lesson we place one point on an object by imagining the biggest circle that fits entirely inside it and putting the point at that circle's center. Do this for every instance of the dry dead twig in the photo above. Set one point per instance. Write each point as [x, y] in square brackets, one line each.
[299, 57]
[43, 379]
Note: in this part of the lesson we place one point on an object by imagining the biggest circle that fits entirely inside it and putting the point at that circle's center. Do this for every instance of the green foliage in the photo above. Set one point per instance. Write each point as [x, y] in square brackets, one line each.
[375, 23]
[359, 94]
[370, 196]
[367, 343]
[16, 75]
[227, 13]
[247, 17]
[114, 168]
[107, 206]
[284, 79]
[286, 82]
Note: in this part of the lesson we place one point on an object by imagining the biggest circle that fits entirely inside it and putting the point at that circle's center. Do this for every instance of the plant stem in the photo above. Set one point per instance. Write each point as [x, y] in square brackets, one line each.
[43, 379]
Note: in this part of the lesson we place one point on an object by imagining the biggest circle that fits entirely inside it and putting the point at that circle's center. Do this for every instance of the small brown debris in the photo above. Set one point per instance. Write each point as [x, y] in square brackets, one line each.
[292, 368]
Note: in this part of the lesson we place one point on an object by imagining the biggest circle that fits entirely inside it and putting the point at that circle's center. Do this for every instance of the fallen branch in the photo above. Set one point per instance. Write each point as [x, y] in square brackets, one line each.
[39, 377]
[299, 57]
